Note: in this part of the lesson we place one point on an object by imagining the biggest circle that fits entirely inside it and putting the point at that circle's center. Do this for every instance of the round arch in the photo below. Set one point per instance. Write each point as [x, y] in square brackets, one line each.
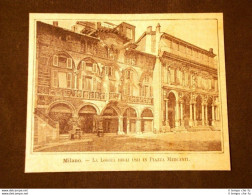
[175, 93]
[172, 98]
[61, 102]
[62, 112]
[110, 119]
[147, 112]
[147, 120]
[132, 69]
[88, 104]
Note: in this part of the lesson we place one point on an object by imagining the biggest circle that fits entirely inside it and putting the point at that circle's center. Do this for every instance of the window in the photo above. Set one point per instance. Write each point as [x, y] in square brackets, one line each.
[62, 62]
[69, 80]
[172, 75]
[186, 79]
[62, 79]
[55, 79]
[129, 33]
[109, 70]
[129, 74]
[89, 67]
[87, 84]
[146, 79]
[112, 87]
[94, 84]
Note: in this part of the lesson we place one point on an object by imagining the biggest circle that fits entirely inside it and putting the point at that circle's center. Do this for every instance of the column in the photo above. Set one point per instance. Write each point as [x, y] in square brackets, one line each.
[191, 113]
[206, 115]
[217, 113]
[194, 115]
[75, 81]
[120, 125]
[138, 126]
[181, 114]
[128, 126]
[177, 114]
[166, 113]
[213, 117]
[203, 114]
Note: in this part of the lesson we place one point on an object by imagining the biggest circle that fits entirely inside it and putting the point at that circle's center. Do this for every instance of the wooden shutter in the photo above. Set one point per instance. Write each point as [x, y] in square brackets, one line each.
[55, 60]
[69, 63]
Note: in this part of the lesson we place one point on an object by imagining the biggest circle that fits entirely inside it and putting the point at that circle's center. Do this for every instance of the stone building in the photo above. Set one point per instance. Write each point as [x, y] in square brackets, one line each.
[98, 72]
[186, 75]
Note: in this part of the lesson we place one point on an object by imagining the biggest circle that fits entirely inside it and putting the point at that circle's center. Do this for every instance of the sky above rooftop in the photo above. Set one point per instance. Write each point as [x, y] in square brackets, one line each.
[202, 33]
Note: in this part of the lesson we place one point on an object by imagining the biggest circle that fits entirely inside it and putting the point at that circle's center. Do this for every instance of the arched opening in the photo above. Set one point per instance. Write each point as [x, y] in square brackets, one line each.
[199, 110]
[147, 120]
[62, 113]
[110, 120]
[186, 108]
[171, 109]
[129, 120]
[209, 111]
[87, 119]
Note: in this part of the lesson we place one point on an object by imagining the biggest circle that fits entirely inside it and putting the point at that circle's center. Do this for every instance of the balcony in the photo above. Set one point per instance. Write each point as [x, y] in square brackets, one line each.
[138, 100]
[114, 96]
[89, 95]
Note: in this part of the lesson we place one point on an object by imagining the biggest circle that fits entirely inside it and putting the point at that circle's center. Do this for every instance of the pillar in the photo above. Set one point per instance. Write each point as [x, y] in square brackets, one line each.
[194, 115]
[166, 113]
[75, 81]
[203, 114]
[213, 117]
[120, 125]
[217, 113]
[191, 113]
[206, 115]
[138, 126]
[177, 114]
[181, 114]
[128, 126]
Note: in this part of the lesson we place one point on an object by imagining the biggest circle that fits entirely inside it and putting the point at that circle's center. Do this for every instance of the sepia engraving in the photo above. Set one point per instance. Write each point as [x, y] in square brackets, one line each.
[117, 86]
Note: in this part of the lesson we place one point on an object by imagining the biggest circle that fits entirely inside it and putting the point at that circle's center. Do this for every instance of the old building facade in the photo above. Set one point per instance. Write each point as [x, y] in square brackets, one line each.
[98, 72]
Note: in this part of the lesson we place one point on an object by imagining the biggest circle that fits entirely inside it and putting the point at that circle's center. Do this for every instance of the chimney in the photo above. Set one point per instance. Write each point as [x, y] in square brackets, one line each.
[149, 29]
[211, 50]
[55, 23]
[158, 28]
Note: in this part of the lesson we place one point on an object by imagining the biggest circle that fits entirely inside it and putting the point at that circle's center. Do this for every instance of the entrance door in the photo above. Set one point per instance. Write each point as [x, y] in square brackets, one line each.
[171, 109]
[186, 108]
[110, 125]
[87, 123]
[147, 125]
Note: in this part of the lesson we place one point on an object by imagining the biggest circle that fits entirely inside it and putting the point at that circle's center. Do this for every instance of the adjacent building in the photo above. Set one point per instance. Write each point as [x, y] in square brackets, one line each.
[97, 72]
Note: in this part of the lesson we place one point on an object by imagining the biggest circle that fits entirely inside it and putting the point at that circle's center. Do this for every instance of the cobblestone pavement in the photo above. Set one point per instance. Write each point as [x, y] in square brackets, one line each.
[178, 141]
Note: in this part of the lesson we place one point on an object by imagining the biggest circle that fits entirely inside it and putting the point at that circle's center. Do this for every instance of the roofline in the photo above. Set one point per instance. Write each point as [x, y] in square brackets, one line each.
[148, 54]
[69, 30]
[167, 54]
[187, 43]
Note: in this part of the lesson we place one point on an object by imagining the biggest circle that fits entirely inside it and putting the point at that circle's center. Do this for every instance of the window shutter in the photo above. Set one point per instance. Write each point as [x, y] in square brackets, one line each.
[95, 68]
[83, 65]
[55, 60]
[106, 70]
[69, 63]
